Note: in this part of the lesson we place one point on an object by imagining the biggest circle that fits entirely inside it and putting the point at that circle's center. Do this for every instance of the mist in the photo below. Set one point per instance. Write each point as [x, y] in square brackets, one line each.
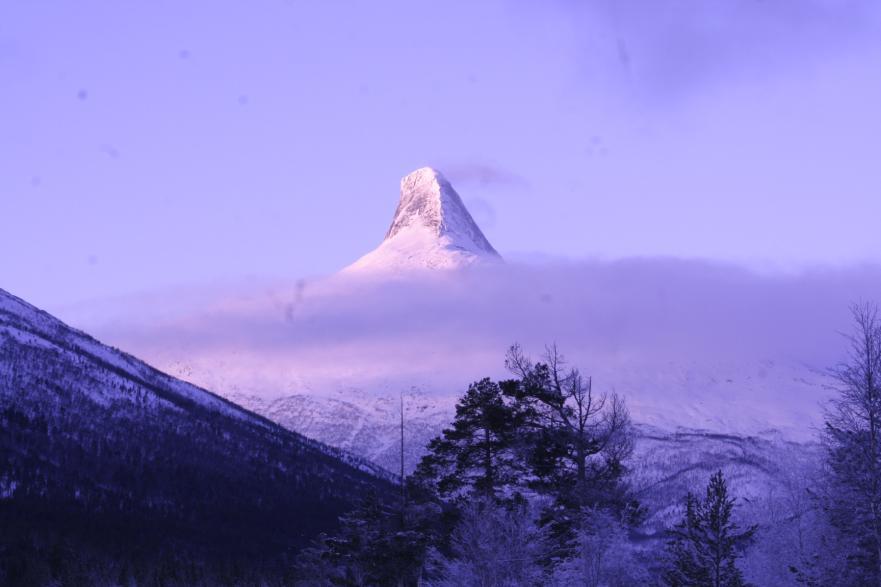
[645, 328]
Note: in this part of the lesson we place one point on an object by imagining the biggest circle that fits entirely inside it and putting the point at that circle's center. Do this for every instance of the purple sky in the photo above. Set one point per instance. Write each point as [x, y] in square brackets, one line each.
[145, 145]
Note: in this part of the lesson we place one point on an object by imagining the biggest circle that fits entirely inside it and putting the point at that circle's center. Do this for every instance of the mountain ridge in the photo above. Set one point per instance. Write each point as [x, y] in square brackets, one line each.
[128, 472]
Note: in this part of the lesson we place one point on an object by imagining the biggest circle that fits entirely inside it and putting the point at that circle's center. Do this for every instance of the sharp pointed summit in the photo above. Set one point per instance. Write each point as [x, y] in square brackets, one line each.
[431, 229]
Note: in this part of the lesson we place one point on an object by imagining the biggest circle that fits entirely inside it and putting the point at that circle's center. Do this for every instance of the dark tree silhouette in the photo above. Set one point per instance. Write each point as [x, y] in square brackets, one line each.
[575, 441]
[707, 542]
[476, 454]
[852, 437]
[579, 438]
[371, 548]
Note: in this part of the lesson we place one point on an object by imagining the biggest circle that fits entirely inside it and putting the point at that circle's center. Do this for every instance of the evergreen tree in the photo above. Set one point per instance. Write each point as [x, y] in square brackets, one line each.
[575, 441]
[547, 432]
[579, 439]
[494, 544]
[372, 547]
[706, 543]
[476, 454]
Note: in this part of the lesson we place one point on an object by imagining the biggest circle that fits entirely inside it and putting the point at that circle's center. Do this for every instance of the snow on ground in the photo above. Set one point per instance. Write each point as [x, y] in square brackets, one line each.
[34, 327]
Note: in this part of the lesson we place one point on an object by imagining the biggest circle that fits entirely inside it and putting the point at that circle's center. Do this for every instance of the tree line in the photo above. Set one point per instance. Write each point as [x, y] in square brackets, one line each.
[529, 486]
[104, 484]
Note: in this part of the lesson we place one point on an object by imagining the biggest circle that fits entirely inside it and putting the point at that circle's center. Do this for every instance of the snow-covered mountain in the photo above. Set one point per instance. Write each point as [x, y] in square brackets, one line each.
[360, 422]
[137, 469]
[767, 400]
[431, 229]
[720, 366]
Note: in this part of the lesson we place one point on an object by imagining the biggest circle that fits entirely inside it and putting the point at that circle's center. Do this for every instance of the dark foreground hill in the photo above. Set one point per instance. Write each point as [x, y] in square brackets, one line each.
[114, 473]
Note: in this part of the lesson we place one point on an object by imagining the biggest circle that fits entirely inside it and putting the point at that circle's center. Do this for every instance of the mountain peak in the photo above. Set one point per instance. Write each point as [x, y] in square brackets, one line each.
[422, 195]
[431, 229]
[428, 199]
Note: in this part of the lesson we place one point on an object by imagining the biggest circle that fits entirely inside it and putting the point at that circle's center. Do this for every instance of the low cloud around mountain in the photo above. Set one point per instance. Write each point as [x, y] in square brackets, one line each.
[633, 323]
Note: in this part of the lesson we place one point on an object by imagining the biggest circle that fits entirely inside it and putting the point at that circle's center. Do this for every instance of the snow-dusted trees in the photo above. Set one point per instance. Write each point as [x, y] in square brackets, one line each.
[852, 438]
[524, 488]
[707, 542]
[791, 525]
[495, 544]
[372, 547]
[603, 555]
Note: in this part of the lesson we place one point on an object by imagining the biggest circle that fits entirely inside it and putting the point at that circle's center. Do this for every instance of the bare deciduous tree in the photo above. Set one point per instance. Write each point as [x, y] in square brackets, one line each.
[853, 441]
[591, 431]
[495, 545]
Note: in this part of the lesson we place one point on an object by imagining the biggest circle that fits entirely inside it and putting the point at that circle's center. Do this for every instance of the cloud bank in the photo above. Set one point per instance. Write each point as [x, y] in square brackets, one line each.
[678, 338]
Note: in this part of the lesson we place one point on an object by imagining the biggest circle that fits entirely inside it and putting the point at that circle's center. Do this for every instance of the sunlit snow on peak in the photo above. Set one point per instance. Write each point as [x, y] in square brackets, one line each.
[431, 229]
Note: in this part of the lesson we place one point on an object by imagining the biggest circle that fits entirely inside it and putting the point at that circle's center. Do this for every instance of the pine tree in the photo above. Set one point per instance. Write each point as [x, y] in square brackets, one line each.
[579, 438]
[476, 454]
[706, 543]
[575, 442]
[372, 547]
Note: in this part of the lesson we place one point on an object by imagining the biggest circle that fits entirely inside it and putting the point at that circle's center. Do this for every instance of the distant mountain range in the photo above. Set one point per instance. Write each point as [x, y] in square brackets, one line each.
[112, 471]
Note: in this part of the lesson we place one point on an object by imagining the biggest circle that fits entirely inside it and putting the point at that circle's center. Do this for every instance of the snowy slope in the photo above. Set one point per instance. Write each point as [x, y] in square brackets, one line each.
[116, 378]
[431, 229]
[768, 400]
[125, 462]
[31, 326]
[360, 423]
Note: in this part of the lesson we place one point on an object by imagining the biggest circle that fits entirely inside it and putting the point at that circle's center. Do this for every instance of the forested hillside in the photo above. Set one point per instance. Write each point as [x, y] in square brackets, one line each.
[113, 473]
[537, 482]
